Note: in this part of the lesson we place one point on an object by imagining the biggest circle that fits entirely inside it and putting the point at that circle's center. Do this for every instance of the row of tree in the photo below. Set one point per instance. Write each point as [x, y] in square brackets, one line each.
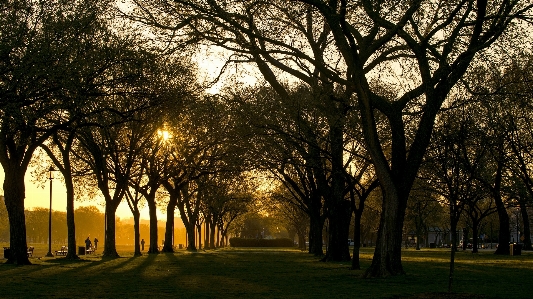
[118, 117]
[89, 223]
[366, 74]
[365, 99]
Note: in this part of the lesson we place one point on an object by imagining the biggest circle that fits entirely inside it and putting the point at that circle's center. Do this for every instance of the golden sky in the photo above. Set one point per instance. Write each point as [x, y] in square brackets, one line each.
[36, 196]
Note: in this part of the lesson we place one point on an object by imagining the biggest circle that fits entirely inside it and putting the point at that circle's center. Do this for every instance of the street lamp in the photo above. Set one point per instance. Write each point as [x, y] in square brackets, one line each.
[51, 177]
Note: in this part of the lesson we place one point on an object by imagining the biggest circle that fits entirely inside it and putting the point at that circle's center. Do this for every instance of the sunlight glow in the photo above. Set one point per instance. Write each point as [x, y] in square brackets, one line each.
[164, 134]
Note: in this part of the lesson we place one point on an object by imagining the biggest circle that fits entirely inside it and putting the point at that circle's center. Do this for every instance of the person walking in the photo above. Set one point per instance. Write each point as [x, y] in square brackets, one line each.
[95, 243]
[142, 244]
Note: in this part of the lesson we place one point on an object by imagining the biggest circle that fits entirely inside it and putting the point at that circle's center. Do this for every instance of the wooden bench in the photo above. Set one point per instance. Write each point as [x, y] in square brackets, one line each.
[30, 251]
[62, 251]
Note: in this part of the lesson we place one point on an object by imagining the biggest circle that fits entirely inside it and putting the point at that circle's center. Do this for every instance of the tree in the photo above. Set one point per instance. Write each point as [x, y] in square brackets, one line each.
[4, 222]
[513, 87]
[95, 54]
[110, 149]
[38, 55]
[203, 144]
[293, 136]
[432, 43]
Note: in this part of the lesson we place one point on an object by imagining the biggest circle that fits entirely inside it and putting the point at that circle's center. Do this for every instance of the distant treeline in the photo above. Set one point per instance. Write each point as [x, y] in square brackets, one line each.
[89, 223]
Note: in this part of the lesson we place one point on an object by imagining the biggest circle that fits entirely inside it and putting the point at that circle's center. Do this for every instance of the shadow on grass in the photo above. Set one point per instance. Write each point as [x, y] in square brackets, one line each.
[256, 273]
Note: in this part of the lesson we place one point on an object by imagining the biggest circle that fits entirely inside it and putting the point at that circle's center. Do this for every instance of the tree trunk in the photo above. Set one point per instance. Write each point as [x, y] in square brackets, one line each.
[465, 238]
[316, 224]
[475, 234]
[338, 233]
[418, 235]
[199, 228]
[71, 227]
[356, 239]
[207, 224]
[453, 227]
[152, 211]
[137, 231]
[191, 230]
[340, 209]
[387, 258]
[212, 232]
[14, 194]
[218, 245]
[504, 236]
[110, 246]
[527, 231]
[169, 227]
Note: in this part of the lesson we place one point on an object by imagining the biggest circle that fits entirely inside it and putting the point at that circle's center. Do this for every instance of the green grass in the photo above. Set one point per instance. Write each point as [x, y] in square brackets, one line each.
[263, 273]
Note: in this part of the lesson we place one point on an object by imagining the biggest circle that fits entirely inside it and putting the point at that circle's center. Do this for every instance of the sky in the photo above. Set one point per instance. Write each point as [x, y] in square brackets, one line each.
[37, 196]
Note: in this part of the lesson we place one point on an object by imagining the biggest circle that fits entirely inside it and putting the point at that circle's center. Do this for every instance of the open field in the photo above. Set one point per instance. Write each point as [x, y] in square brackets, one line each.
[263, 273]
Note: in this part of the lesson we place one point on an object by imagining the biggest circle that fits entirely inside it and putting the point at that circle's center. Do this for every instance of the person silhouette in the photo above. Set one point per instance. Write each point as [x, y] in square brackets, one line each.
[142, 244]
[95, 243]
[88, 243]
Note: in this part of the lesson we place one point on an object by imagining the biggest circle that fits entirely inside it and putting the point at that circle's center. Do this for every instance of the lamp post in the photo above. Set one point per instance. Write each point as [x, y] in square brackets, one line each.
[51, 177]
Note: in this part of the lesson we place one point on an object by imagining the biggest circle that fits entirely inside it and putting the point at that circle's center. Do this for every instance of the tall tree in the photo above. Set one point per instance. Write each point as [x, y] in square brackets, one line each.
[42, 45]
[94, 55]
[430, 43]
[110, 149]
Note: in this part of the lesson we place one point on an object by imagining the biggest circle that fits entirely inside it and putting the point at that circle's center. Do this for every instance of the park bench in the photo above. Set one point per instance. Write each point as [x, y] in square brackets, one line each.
[90, 250]
[30, 251]
[62, 251]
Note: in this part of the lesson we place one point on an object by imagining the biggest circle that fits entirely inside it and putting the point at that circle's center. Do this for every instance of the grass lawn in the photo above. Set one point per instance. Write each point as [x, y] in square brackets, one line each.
[263, 273]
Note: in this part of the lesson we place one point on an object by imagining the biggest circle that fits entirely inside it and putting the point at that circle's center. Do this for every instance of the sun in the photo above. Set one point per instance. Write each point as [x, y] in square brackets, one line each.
[164, 134]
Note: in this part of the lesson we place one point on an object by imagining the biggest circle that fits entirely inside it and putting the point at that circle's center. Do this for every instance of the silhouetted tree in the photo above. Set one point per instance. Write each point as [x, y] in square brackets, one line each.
[433, 43]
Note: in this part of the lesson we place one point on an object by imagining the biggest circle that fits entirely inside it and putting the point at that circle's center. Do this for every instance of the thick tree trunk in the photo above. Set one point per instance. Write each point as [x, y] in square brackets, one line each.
[340, 209]
[199, 228]
[338, 233]
[110, 246]
[14, 194]
[316, 224]
[387, 258]
[504, 236]
[191, 231]
[169, 227]
[152, 211]
[71, 227]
